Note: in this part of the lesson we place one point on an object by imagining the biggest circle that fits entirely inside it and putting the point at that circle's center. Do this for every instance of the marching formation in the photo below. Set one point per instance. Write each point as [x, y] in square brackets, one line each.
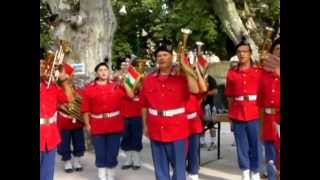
[166, 105]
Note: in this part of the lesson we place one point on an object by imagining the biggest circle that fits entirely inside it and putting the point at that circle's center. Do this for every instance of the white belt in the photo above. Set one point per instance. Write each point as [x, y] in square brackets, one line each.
[67, 116]
[105, 115]
[278, 129]
[167, 113]
[50, 120]
[246, 97]
[192, 115]
[270, 111]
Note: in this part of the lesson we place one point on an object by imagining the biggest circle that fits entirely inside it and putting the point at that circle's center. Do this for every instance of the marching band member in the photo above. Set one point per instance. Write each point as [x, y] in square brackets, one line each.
[101, 112]
[71, 131]
[50, 97]
[132, 138]
[269, 103]
[164, 96]
[193, 109]
[241, 90]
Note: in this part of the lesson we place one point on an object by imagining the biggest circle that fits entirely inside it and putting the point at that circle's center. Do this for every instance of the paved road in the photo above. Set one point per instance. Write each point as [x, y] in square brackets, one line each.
[223, 169]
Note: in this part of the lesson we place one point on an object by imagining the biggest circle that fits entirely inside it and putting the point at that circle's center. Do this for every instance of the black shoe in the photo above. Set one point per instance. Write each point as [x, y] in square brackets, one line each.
[263, 176]
[68, 170]
[126, 167]
[136, 167]
[79, 169]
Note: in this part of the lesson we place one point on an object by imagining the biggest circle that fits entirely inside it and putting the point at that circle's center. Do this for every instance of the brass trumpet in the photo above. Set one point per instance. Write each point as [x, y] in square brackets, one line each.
[199, 45]
[73, 108]
[183, 67]
[53, 65]
[203, 70]
[139, 65]
[266, 45]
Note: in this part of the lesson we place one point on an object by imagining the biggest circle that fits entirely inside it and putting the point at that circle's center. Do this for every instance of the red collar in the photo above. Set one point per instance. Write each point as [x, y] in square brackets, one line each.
[173, 72]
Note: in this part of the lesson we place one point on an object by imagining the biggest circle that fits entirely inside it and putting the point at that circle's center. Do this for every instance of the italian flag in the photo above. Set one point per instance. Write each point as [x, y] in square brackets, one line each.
[132, 77]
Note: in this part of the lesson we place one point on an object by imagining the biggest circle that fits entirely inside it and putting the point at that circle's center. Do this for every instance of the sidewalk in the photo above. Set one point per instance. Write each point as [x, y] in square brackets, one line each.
[223, 169]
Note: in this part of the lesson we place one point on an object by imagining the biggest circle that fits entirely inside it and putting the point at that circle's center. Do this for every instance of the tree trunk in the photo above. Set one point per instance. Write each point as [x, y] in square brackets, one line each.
[231, 21]
[89, 30]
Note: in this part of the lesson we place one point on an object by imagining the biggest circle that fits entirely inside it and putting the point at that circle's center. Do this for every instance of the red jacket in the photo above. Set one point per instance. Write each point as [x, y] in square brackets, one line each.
[131, 107]
[166, 93]
[50, 98]
[240, 83]
[98, 99]
[194, 106]
[269, 97]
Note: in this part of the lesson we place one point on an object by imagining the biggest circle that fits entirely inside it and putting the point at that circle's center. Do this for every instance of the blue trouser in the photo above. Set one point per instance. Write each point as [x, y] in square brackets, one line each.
[165, 153]
[106, 148]
[263, 167]
[75, 136]
[270, 152]
[47, 159]
[132, 136]
[247, 138]
[193, 154]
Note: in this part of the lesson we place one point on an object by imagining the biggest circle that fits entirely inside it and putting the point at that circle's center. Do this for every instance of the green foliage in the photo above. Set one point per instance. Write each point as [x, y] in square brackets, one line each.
[126, 40]
[163, 19]
[265, 12]
[275, 9]
[121, 48]
[45, 36]
[166, 23]
[45, 41]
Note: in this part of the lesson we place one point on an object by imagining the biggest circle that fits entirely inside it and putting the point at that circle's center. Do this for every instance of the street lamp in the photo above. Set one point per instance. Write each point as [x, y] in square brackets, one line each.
[137, 40]
[123, 10]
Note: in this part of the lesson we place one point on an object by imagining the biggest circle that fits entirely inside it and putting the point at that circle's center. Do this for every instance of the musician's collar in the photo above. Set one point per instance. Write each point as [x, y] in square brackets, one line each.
[252, 65]
[101, 82]
[173, 71]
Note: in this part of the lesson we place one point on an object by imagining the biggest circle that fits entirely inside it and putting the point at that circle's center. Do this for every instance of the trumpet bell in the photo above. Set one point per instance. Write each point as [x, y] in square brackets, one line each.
[199, 43]
[140, 65]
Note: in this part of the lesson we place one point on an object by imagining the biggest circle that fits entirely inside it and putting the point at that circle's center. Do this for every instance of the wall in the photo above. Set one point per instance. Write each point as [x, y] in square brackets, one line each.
[219, 71]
